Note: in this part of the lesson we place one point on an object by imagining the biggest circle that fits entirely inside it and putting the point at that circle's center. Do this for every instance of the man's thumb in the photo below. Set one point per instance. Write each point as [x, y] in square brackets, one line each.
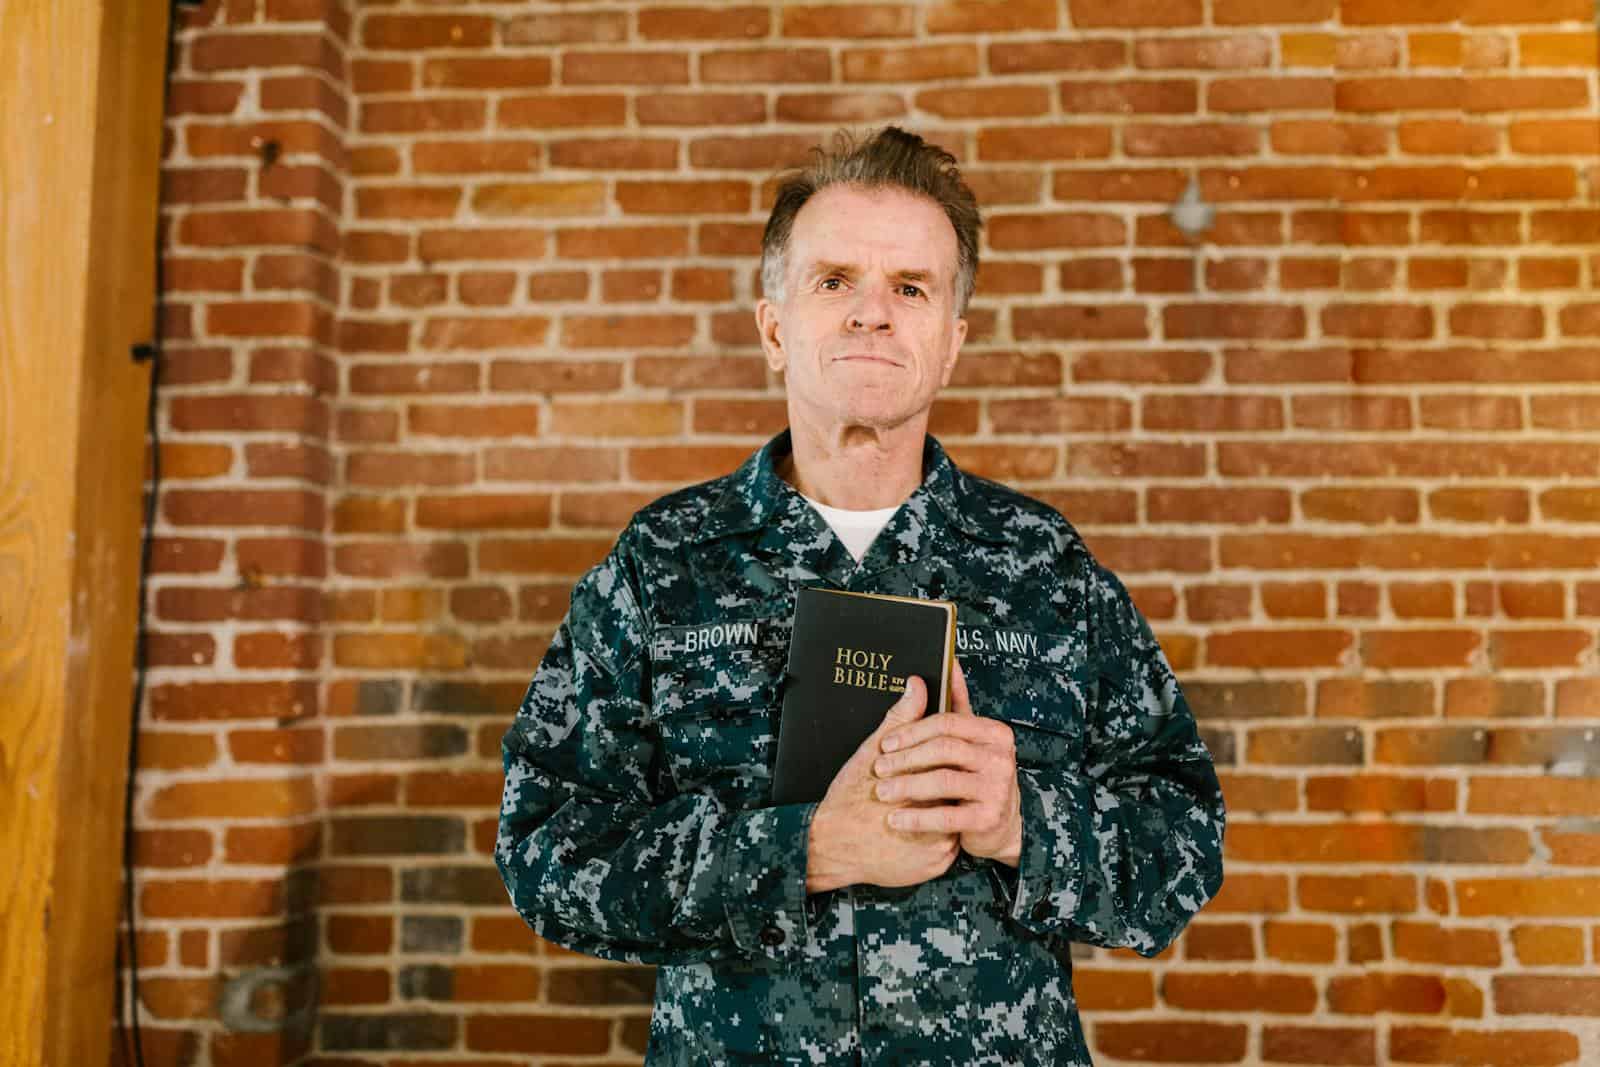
[909, 708]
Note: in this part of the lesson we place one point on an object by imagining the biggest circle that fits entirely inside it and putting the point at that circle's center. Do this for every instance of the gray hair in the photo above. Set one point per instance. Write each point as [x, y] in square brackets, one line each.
[890, 159]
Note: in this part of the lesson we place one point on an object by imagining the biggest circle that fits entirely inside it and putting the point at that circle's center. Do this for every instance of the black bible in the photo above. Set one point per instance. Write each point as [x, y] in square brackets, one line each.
[849, 657]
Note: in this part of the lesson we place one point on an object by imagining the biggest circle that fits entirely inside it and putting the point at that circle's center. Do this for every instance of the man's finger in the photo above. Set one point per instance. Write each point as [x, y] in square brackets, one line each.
[909, 708]
[945, 783]
[960, 698]
[975, 728]
[939, 819]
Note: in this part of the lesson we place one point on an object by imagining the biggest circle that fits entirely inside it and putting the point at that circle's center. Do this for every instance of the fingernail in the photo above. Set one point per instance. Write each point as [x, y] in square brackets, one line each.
[881, 768]
[885, 791]
[897, 819]
[891, 743]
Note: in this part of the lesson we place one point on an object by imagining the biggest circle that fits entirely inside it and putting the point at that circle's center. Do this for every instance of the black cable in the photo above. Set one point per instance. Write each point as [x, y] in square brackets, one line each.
[127, 1007]
[140, 668]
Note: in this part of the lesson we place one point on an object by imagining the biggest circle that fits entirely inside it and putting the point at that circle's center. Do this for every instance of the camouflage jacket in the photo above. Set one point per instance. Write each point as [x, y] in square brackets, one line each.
[636, 824]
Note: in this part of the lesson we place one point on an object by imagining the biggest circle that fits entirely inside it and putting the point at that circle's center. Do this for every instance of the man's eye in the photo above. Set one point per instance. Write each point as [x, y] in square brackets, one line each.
[832, 284]
[910, 290]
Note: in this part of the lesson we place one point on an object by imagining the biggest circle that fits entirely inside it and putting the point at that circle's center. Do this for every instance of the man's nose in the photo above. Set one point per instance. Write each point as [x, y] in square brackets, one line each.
[871, 310]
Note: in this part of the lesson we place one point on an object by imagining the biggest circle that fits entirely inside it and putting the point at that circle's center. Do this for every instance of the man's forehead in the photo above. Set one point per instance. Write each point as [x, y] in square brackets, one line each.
[841, 221]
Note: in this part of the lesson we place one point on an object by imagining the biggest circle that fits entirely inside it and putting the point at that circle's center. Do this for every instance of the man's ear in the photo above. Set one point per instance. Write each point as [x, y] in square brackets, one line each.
[771, 345]
[957, 336]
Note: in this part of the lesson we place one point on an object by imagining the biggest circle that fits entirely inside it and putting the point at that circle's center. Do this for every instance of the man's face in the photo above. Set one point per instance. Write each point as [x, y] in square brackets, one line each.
[866, 332]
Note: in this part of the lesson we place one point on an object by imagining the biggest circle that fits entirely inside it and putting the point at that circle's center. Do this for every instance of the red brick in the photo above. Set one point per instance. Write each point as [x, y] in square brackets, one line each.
[1212, 992]
[993, 101]
[1025, 57]
[404, 32]
[615, 153]
[562, 109]
[465, 157]
[555, 376]
[1232, 52]
[1319, 137]
[486, 288]
[1193, 139]
[1143, 96]
[1319, 1045]
[767, 65]
[252, 51]
[1233, 320]
[1546, 946]
[928, 62]
[1080, 322]
[849, 21]
[1270, 94]
[1088, 274]
[1166, 367]
[484, 332]
[472, 420]
[1113, 990]
[700, 109]
[1546, 995]
[1055, 230]
[1172, 1042]
[564, 1034]
[1519, 1048]
[381, 76]
[981, 16]
[1135, 459]
[1036, 143]
[1550, 897]
[484, 511]
[1300, 942]
[567, 27]
[1358, 894]
[1216, 941]
[1087, 14]
[1402, 994]
[276, 798]
[624, 242]
[683, 197]
[856, 107]
[624, 68]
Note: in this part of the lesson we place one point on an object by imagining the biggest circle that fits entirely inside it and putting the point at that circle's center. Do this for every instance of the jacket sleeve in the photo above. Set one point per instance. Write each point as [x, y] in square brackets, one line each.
[597, 851]
[1122, 850]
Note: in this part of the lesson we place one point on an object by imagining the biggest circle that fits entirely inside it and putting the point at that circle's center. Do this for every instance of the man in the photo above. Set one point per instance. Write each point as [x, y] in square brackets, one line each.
[921, 912]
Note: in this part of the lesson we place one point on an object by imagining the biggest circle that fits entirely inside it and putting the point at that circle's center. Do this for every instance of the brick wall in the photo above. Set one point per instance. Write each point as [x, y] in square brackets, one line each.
[453, 287]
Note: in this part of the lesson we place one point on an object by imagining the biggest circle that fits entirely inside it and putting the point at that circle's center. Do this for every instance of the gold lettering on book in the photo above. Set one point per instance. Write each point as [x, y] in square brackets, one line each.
[861, 669]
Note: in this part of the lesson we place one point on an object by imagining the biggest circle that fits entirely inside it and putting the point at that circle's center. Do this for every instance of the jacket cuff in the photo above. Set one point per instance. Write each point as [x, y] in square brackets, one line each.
[1057, 843]
[764, 880]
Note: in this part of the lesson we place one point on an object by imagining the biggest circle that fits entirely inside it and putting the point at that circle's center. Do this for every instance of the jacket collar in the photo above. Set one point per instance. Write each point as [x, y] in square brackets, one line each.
[755, 497]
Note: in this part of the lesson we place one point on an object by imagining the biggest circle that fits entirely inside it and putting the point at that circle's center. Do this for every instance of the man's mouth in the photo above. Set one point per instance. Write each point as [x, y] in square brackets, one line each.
[868, 357]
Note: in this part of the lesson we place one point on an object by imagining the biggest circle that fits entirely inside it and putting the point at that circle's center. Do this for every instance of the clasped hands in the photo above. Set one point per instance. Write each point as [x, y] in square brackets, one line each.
[920, 790]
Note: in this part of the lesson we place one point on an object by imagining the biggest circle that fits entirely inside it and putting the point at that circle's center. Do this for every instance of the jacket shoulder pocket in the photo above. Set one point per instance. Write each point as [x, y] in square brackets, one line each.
[1043, 703]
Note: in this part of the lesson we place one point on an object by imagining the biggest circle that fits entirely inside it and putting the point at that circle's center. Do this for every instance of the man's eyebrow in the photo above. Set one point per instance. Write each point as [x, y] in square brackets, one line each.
[822, 267]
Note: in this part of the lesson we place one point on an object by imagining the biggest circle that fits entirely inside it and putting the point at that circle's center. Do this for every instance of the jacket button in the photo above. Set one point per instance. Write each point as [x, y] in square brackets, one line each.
[771, 936]
[1041, 911]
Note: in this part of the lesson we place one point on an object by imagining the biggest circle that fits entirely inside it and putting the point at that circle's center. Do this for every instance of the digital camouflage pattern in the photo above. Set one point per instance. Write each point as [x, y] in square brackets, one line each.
[635, 825]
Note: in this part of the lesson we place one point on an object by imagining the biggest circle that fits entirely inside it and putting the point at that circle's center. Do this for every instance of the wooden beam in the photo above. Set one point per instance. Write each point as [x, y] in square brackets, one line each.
[80, 137]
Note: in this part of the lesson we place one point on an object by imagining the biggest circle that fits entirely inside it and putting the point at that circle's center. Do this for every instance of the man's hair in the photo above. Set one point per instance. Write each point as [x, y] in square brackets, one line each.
[889, 159]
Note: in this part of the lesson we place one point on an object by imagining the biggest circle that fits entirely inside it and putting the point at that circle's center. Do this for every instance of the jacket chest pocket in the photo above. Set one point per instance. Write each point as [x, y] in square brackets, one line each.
[1043, 704]
[715, 711]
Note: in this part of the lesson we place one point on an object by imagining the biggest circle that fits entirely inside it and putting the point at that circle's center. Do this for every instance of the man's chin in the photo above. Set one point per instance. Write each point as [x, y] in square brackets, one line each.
[876, 419]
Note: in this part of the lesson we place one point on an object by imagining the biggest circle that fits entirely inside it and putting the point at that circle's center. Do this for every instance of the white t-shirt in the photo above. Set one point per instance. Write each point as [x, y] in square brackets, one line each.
[857, 529]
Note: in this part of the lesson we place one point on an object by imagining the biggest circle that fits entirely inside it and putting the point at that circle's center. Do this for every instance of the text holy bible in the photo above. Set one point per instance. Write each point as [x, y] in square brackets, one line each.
[849, 657]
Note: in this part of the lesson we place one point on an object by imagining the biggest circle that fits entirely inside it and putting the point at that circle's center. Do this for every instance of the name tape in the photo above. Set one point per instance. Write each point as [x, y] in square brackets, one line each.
[735, 634]
[1054, 650]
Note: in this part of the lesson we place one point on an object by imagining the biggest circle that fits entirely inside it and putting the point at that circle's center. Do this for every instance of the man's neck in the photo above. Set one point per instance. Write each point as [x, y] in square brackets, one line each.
[857, 468]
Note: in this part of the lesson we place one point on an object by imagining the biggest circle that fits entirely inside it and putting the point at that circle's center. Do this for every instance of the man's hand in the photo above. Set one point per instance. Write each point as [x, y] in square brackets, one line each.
[965, 767]
[852, 840]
